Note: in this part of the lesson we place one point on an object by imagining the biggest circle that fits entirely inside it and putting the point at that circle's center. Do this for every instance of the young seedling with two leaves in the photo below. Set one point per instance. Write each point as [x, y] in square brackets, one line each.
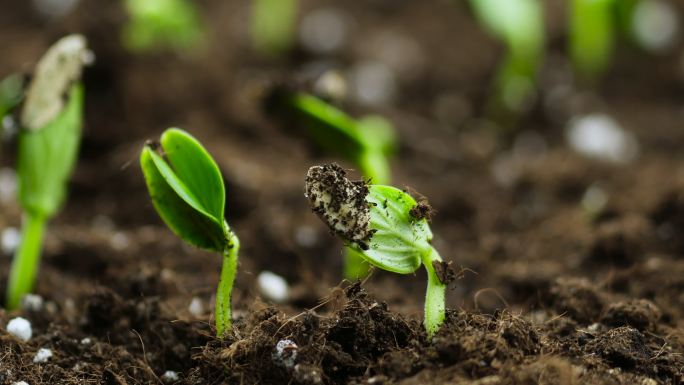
[187, 191]
[50, 132]
[386, 226]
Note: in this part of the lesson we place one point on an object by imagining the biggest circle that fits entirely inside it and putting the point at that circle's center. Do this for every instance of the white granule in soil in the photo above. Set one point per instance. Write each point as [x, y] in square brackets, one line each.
[196, 307]
[273, 287]
[20, 328]
[285, 353]
[42, 356]
[170, 376]
[32, 302]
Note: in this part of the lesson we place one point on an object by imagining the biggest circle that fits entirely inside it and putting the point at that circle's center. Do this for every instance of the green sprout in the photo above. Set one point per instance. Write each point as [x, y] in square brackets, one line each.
[50, 122]
[592, 35]
[367, 143]
[272, 25]
[11, 91]
[161, 24]
[386, 226]
[520, 25]
[187, 190]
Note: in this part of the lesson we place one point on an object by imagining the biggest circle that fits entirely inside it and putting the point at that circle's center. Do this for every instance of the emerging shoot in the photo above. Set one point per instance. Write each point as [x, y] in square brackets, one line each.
[385, 226]
[11, 91]
[50, 122]
[520, 25]
[368, 143]
[187, 191]
[272, 25]
[161, 24]
[592, 35]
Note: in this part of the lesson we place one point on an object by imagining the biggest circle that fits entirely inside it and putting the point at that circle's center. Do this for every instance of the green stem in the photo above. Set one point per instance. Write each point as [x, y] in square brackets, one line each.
[26, 259]
[435, 294]
[355, 267]
[225, 287]
[374, 164]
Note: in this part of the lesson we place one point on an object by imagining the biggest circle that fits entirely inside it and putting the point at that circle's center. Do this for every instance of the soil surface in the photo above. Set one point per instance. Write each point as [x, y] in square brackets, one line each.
[549, 290]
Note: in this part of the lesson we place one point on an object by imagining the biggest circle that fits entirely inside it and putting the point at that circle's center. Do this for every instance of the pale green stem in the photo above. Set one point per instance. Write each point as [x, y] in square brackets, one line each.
[224, 321]
[435, 296]
[26, 259]
[355, 267]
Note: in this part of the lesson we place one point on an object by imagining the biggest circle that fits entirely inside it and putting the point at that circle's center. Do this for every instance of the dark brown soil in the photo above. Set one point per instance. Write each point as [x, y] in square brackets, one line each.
[548, 293]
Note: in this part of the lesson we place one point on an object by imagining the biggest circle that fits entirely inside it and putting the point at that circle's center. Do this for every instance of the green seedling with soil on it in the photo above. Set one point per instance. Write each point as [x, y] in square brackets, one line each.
[187, 190]
[368, 143]
[384, 225]
[520, 25]
[50, 123]
[161, 24]
[273, 25]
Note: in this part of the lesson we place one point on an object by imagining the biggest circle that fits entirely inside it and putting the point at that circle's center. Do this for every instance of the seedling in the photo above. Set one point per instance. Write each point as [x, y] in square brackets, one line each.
[520, 25]
[187, 191]
[50, 133]
[11, 91]
[386, 226]
[272, 25]
[367, 143]
[161, 24]
[592, 36]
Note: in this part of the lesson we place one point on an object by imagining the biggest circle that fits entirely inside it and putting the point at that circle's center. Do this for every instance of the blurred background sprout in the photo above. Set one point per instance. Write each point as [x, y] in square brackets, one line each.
[519, 25]
[161, 25]
[273, 26]
[367, 143]
[592, 32]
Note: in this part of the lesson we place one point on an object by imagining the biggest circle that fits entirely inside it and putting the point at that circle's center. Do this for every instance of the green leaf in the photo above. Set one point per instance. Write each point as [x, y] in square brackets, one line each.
[47, 156]
[187, 190]
[196, 168]
[330, 127]
[399, 241]
[367, 142]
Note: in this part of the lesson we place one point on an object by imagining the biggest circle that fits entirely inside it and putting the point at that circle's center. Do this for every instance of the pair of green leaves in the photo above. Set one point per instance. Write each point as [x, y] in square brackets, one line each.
[187, 189]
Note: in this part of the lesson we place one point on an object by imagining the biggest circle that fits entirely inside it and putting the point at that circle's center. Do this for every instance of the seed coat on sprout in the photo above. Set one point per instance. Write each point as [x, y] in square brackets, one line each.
[340, 203]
